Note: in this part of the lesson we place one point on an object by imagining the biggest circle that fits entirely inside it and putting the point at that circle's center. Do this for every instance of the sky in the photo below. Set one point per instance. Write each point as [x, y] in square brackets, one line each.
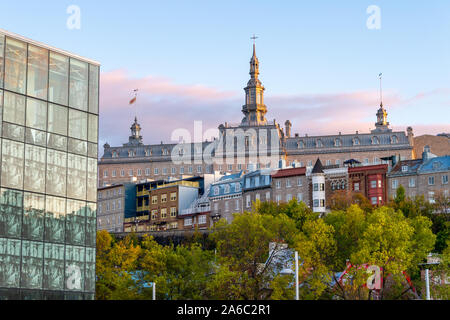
[319, 61]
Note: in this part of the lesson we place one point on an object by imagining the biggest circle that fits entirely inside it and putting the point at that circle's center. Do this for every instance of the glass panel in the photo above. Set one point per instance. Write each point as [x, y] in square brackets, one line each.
[77, 146]
[75, 261]
[93, 128]
[2, 49]
[57, 142]
[37, 72]
[15, 65]
[33, 216]
[1, 107]
[54, 266]
[34, 168]
[91, 224]
[92, 180]
[75, 222]
[35, 137]
[36, 114]
[56, 172]
[93, 88]
[92, 150]
[55, 213]
[78, 96]
[13, 132]
[90, 270]
[9, 263]
[58, 88]
[78, 124]
[76, 177]
[57, 119]
[32, 263]
[14, 108]
[11, 204]
[12, 164]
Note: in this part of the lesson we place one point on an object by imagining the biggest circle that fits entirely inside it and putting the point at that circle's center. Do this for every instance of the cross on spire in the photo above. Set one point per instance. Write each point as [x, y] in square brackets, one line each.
[254, 38]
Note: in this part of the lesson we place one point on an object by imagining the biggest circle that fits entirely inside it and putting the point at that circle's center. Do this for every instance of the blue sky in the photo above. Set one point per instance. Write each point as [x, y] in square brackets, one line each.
[308, 51]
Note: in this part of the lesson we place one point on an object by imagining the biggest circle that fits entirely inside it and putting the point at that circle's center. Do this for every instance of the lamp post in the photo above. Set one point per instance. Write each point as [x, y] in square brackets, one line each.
[287, 271]
[427, 276]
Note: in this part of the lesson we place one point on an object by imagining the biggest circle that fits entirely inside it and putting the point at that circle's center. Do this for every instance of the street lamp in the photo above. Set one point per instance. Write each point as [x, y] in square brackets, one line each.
[288, 271]
[153, 286]
[427, 276]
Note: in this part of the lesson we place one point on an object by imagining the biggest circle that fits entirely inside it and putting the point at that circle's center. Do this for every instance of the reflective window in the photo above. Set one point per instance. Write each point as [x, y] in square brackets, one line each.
[77, 124]
[11, 204]
[14, 108]
[13, 132]
[92, 150]
[10, 263]
[77, 146]
[75, 222]
[57, 142]
[92, 179]
[15, 65]
[12, 164]
[36, 114]
[37, 72]
[58, 79]
[57, 119]
[34, 168]
[90, 270]
[35, 137]
[76, 177]
[32, 263]
[93, 88]
[78, 97]
[55, 214]
[2, 49]
[33, 216]
[93, 128]
[56, 172]
[53, 266]
[91, 224]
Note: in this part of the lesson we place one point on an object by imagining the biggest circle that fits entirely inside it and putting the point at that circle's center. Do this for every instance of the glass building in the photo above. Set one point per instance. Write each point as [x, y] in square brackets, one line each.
[48, 179]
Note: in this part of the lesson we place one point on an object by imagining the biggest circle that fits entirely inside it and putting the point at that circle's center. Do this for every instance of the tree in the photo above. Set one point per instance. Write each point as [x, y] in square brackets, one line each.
[244, 268]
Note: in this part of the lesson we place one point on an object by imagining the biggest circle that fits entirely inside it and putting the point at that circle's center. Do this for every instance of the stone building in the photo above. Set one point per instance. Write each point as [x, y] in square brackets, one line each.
[254, 140]
[225, 196]
[427, 176]
[115, 203]
[290, 183]
[256, 186]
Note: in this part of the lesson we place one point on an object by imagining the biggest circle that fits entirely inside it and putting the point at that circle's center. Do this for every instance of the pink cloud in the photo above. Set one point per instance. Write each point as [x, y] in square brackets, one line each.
[164, 105]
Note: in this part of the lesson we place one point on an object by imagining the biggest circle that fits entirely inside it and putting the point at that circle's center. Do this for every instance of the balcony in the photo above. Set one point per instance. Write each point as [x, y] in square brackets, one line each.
[195, 210]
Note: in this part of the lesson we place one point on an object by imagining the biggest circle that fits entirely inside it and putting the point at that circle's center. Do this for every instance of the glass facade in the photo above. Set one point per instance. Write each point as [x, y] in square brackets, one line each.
[48, 179]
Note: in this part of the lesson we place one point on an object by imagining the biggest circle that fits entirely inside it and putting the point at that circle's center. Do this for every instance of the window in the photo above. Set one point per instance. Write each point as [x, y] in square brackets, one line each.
[173, 196]
[379, 184]
[199, 169]
[288, 183]
[237, 186]
[431, 197]
[202, 219]
[404, 168]
[120, 191]
[164, 171]
[374, 200]
[174, 170]
[163, 198]
[216, 191]
[227, 188]
[187, 222]
[130, 172]
[181, 170]
[78, 124]
[288, 197]
[268, 196]
[375, 140]
[394, 184]
[356, 142]
[122, 173]
[366, 161]
[316, 187]
[164, 213]
[316, 203]
[338, 162]
[328, 162]
[156, 171]
[154, 214]
[230, 167]
[139, 172]
[309, 163]
[278, 184]
[239, 166]
[248, 201]
[119, 204]
[173, 212]
[78, 97]
[105, 173]
[258, 197]
[322, 186]
[299, 182]
[15, 65]
[14, 108]
[256, 181]
[227, 206]
[190, 169]
[36, 114]
[147, 171]
[445, 179]
[154, 199]
[431, 181]
[299, 197]
[373, 184]
[278, 198]
[113, 173]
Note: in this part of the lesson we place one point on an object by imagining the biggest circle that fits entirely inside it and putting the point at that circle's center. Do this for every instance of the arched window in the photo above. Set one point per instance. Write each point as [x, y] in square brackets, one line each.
[300, 144]
[337, 142]
[375, 140]
[394, 140]
[319, 143]
[356, 142]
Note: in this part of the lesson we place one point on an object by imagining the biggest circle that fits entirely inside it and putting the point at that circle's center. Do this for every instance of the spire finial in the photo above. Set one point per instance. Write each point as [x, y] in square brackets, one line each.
[381, 90]
[254, 44]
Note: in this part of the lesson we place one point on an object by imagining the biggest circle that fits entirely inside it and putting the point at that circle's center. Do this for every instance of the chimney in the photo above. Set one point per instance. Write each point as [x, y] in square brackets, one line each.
[288, 126]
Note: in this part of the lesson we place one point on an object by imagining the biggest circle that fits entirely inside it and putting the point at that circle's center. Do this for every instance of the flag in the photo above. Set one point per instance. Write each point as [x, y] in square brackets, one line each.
[133, 100]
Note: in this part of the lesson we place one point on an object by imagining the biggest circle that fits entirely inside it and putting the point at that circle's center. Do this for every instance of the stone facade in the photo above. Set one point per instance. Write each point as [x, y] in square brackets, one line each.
[291, 183]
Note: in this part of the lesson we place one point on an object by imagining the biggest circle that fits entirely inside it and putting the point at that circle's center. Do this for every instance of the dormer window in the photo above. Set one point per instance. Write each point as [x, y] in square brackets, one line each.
[165, 152]
[319, 143]
[131, 153]
[216, 191]
[404, 168]
[375, 140]
[337, 142]
[436, 165]
[114, 154]
[356, 142]
[227, 188]
[147, 152]
[300, 144]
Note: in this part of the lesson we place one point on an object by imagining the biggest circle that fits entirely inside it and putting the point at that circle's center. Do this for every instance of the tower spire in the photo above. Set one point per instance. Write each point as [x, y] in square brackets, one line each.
[382, 125]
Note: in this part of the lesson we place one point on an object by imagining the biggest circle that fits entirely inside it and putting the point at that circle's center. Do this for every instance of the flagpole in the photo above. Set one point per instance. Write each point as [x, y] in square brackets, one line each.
[381, 88]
